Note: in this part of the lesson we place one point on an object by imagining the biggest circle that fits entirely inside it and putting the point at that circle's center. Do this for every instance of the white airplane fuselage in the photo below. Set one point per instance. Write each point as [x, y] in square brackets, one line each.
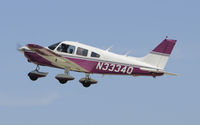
[74, 56]
[83, 58]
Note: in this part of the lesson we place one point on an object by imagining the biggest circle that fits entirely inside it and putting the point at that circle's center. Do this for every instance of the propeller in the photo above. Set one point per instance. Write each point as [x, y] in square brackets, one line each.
[21, 48]
[18, 45]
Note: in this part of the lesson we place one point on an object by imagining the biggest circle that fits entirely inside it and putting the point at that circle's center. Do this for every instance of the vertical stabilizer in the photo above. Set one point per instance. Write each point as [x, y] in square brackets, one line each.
[159, 56]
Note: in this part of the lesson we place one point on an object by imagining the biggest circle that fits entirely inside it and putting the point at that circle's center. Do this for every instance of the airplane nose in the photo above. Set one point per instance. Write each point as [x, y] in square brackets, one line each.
[34, 46]
[23, 49]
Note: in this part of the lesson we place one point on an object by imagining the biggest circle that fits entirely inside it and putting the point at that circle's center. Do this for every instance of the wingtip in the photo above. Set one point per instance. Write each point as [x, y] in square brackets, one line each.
[171, 74]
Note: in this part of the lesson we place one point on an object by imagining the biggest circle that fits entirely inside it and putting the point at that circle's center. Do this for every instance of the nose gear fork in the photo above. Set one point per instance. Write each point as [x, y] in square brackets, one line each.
[35, 74]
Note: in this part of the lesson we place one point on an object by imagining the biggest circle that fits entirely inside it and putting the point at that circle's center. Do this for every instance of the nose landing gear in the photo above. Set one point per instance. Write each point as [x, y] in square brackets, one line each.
[34, 75]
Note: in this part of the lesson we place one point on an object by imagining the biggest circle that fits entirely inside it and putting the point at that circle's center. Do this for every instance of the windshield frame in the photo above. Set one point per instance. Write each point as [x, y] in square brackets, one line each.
[54, 46]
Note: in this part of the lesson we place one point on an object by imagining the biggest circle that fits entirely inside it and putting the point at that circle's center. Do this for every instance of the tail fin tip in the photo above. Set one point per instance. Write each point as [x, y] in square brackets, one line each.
[165, 47]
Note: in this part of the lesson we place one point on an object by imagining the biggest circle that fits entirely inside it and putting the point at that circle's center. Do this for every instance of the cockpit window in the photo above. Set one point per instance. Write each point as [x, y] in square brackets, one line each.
[66, 48]
[82, 51]
[52, 47]
[93, 54]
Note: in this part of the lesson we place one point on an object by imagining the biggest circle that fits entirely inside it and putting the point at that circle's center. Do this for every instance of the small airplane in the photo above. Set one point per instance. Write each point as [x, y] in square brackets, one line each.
[78, 57]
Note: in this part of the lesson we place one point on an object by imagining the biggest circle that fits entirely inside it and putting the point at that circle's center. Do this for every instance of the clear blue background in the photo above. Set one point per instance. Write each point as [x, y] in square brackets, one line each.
[137, 25]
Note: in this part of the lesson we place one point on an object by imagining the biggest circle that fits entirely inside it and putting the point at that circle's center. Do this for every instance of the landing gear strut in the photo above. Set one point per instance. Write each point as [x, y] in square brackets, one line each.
[63, 78]
[35, 74]
[87, 81]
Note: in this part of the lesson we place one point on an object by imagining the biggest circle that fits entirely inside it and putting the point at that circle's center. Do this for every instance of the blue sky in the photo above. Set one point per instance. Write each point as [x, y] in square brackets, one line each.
[137, 25]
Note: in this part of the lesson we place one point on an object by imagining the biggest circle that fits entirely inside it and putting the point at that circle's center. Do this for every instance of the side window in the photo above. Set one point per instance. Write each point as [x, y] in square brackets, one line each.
[82, 52]
[93, 54]
[66, 48]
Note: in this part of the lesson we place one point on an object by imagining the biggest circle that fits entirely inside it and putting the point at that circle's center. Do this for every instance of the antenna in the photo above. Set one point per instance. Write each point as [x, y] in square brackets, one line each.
[109, 48]
[126, 54]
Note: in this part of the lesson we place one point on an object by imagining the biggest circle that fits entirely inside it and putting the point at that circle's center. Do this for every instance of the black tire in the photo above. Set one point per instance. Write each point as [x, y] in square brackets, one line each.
[33, 78]
[62, 81]
[86, 84]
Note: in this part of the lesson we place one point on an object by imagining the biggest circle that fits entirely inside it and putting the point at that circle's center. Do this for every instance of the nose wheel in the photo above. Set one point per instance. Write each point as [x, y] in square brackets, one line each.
[35, 74]
[32, 77]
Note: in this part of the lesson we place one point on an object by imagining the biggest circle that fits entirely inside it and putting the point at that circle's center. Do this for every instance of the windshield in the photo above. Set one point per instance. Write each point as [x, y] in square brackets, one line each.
[52, 47]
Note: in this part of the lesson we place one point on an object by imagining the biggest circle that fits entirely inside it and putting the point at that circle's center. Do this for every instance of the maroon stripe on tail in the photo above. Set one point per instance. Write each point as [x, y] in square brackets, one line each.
[166, 46]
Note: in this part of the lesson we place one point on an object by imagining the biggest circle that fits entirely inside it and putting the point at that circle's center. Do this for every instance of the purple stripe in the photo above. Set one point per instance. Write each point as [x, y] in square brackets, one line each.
[91, 66]
[34, 46]
[86, 64]
[35, 58]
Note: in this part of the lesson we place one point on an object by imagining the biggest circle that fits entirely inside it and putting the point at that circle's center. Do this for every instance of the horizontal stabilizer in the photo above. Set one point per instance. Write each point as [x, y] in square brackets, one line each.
[171, 74]
[158, 71]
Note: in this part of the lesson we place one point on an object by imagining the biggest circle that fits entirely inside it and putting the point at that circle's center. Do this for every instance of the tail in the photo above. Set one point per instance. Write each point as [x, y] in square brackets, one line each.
[159, 56]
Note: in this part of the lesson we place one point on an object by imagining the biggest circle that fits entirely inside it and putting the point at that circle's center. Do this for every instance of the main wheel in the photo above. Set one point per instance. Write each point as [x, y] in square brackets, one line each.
[86, 84]
[62, 81]
[33, 78]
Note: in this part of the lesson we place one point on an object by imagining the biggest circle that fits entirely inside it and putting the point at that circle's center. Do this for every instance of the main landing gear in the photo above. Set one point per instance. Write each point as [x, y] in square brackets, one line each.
[35, 74]
[87, 81]
[63, 78]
